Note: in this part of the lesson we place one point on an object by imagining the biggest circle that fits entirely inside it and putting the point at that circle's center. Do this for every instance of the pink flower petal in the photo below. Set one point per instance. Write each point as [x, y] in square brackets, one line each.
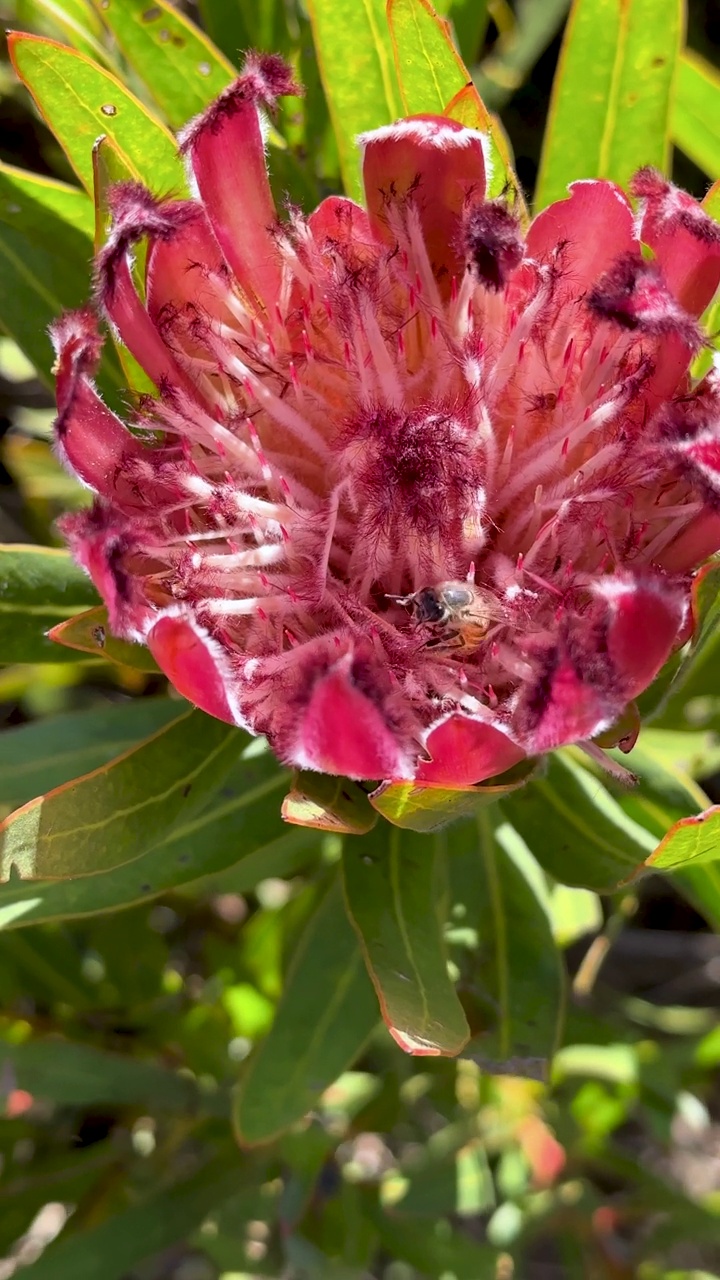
[432, 165]
[340, 221]
[183, 268]
[564, 708]
[700, 539]
[685, 241]
[102, 543]
[226, 151]
[343, 732]
[466, 751]
[589, 231]
[195, 664]
[90, 439]
[646, 619]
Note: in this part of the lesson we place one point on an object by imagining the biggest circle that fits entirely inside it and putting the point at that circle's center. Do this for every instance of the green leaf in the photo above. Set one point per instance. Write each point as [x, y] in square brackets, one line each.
[575, 828]
[427, 807]
[181, 69]
[88, 632]
[391, 889]
[115, 813]
[77, 1075]
[328, 804]
[429, 70]
[72, 21]
[45, 259]
[326, 1015]
[113, 1248]
[618, 61]
[240, 829]
[79, 101]
[469, 20]
[692, 839]
[665, 797]
[37, 757]
[696, 674]
[511, 971]
[39, 586]
[695, 111]
[356, 66]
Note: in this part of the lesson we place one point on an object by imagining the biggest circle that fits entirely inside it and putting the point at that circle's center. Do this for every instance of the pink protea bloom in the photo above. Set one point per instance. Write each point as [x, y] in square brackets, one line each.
[366, 404]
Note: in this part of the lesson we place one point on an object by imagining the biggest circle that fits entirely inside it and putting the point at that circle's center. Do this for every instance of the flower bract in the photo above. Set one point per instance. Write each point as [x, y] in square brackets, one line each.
[365, 405]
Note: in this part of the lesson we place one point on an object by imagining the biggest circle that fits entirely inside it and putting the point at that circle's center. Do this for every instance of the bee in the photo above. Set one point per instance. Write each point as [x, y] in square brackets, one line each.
[460, 613]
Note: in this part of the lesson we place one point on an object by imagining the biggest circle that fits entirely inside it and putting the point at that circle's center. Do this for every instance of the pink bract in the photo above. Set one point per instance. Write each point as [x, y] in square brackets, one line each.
[361, 403]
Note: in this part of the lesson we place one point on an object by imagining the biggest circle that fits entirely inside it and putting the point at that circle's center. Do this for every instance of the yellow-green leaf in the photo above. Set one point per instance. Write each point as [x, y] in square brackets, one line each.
[610, 106]
[391, 889]
[79, 101]
[356, 66]
[182, 70]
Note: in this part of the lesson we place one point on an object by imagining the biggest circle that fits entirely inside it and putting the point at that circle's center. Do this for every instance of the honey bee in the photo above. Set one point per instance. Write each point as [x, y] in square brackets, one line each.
[460, 613]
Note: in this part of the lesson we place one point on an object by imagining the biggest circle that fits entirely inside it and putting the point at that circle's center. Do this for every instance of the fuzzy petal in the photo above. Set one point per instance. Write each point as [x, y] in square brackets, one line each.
[90, 439]
[700, 539]
[685, 241]
[338, 220]
[430, 164]
[227, 155]
[182, 269]
[585, 233]
[343, 732]
[645, 621]
[466, 751]
[563, 707]
[106, 548]
[195, 664]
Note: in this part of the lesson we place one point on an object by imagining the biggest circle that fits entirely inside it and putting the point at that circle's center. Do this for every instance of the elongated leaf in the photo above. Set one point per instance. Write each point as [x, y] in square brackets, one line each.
[328, 804]
[81, 1076]
[695, 121]
[696, 674]
[39, 586]
[356, 65]
[391, 889]
[429, 70]
[45, 256]
[667, 796]
[327, 1013]
[72, 21]
[692, 839]
[240, 828]
[112, 815]
[181, 68]
[114, 1247]
[511, 972]
[575, 828]
[80, 101]
[469, 20]
[618, 60]
[36, 757]
[424, 807]
[89, 632]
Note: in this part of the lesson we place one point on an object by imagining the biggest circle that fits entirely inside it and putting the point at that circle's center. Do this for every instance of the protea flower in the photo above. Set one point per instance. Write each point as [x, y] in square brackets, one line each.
[365, 405]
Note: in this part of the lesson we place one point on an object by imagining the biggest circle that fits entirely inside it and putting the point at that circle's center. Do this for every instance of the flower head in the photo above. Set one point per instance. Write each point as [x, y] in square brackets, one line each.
[418, 495]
